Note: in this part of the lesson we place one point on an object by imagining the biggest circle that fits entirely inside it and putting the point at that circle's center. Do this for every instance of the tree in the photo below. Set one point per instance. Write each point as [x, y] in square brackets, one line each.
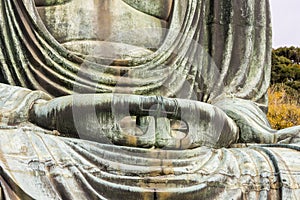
[284, 95]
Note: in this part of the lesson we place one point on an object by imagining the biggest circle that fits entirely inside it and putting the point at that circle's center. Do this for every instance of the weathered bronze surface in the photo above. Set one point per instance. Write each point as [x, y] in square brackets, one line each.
[129, 99]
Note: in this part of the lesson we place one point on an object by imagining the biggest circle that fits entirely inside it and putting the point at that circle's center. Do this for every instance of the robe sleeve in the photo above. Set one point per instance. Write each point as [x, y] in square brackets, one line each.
[15, 103]
[253, 123]
[251, 120]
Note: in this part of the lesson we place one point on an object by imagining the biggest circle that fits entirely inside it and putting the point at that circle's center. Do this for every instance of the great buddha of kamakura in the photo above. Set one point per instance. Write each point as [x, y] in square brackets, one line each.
[140, 99]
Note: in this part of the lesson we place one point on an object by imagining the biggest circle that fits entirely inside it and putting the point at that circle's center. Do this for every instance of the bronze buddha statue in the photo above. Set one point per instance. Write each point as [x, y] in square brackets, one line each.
[160, 99]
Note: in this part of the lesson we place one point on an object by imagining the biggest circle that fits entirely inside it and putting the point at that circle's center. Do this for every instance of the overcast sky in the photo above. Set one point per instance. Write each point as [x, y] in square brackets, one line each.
[286, 22]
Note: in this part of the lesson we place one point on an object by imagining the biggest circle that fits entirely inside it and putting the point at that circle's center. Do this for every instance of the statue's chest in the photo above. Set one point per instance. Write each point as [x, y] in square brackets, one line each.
[105, 20]
[157, 8]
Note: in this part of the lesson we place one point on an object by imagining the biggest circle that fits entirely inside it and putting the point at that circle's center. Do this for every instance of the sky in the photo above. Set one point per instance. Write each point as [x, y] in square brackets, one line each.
[286, 22]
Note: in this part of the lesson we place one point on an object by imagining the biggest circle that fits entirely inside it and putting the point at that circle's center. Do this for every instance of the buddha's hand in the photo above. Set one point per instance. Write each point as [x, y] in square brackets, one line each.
[132, 120]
